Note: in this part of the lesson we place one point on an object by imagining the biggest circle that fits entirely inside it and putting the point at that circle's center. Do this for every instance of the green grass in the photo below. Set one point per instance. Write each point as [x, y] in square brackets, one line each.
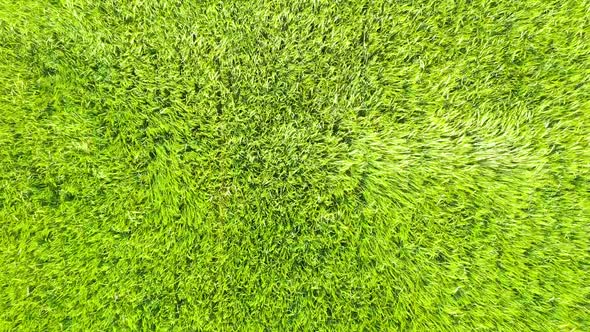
[295, 165]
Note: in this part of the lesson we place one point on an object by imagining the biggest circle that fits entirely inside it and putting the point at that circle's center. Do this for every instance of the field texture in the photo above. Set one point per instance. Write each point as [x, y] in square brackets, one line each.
[295, 165]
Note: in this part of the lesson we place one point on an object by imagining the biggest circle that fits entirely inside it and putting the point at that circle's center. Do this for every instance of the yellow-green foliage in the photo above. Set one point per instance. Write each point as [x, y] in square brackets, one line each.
[295, 165]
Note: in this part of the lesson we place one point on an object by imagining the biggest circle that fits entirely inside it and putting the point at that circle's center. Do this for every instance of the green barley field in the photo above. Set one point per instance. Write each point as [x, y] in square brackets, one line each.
[290, 165]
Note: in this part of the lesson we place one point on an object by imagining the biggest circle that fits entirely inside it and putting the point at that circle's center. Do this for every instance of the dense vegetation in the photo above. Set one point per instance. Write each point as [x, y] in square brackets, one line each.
[295, 165]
